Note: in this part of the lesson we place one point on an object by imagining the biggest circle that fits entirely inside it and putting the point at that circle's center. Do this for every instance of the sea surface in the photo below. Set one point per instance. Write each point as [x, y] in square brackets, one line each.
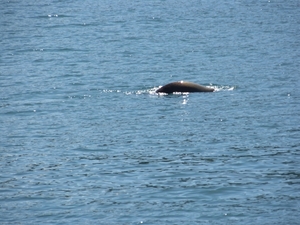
[84, 138]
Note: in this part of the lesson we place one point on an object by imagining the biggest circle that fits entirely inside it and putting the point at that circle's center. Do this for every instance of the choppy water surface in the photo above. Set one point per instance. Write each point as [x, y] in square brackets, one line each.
[85, 138]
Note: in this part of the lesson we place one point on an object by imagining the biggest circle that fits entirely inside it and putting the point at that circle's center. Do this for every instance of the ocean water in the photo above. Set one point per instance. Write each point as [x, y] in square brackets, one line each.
[86, 140]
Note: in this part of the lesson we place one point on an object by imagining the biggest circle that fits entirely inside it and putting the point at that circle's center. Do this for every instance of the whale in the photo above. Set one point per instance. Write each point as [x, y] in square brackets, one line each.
[183, 86]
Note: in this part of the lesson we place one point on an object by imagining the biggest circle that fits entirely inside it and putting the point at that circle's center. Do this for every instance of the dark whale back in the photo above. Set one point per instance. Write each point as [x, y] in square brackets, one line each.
[183, 86]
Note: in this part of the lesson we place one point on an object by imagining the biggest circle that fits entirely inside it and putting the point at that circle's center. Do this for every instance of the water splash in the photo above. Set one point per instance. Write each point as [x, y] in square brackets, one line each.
[222, 87]
[152, 91]
[217, 88]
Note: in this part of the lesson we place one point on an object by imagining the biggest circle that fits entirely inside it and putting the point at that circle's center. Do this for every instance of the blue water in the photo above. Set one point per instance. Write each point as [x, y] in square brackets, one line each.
[86, 140]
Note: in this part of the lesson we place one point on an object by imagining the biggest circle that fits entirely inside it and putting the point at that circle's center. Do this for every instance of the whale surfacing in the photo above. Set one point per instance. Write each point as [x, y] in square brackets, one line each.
[183, 86]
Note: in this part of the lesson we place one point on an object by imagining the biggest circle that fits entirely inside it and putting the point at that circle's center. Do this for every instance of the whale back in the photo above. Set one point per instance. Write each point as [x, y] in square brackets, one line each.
[183, 86]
